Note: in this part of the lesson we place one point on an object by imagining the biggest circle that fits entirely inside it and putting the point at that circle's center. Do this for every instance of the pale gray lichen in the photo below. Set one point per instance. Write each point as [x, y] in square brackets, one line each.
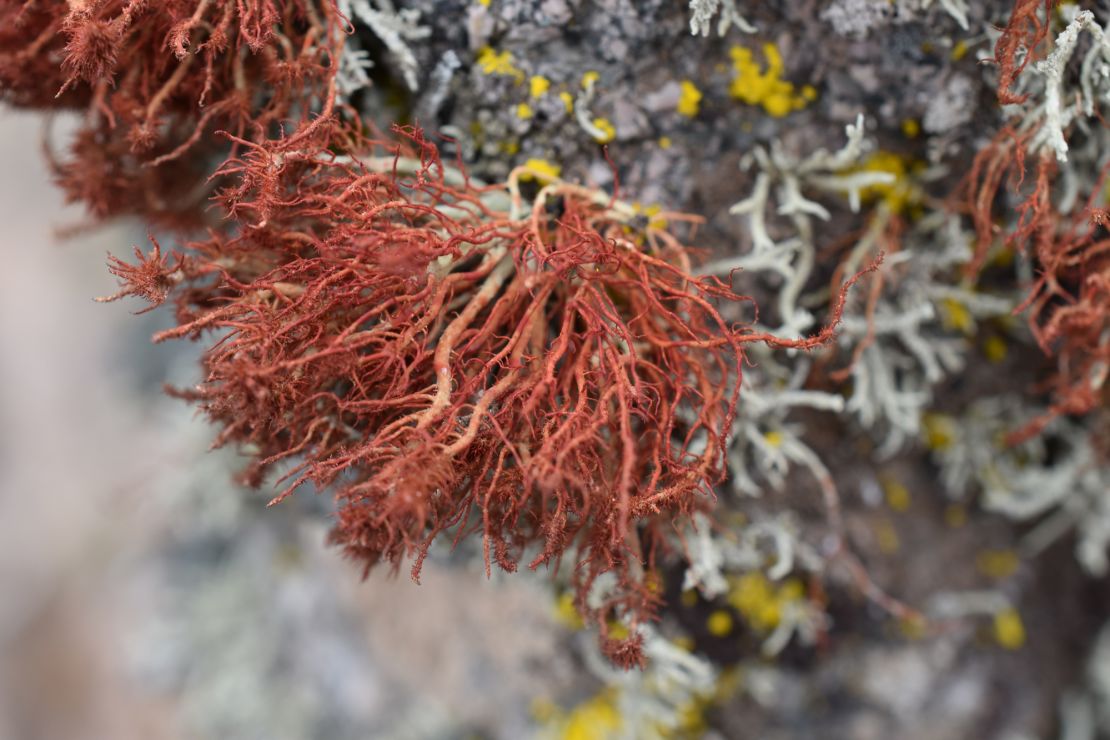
[702, 13]
[1055, 479]
[653, 702]
[958, 9]
[793, 257]
[395, 28]
[1055, 96]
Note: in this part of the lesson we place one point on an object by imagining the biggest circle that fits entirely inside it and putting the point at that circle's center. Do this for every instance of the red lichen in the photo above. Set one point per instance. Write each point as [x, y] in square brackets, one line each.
[549, 383]
[157, 80]
[1019, 43]
[151, 278]
[1068, 304]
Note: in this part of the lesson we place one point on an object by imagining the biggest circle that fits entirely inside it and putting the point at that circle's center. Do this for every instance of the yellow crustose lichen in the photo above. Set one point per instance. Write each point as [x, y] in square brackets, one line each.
[995, 349]
[719, 623]
[498, 63]
[898, 196]
[566, 613]
[997, 564]
[596, 718]
[1008, 629]
[689, 99]
[599, 718]
[542, 170]
[940, 431]
[538, 86]
[606, 131]
[651, 213]
[955, 315]
[759, 601]
[897, 495]
[765, 87]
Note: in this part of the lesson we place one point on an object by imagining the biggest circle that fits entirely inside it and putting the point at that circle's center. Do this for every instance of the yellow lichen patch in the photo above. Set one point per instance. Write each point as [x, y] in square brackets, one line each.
[524, 111]
[538, 86]
[911, 129]
[753, 596]
[542, 170]
[940, 431]
[773, 438]
[1008, 629]
[498, 63]
[596, 718]
[759, 601]
[959, 51]
[690, 721]
[606, 131]
[765, 87]
[955, 516]
[955, 315]
[689, 99]
[655, 221]
[1004, 255]
[566, 614]
[792, 589]
[589, 79]
[729, 683]
[886, 537]
[997, 564]
[665, 142]
[689, 597]
[684, 642]
[897, 495]
[617, 630]
[568, 100]
[897, 195]
[719, 623]
[912, 628]
[994, 348]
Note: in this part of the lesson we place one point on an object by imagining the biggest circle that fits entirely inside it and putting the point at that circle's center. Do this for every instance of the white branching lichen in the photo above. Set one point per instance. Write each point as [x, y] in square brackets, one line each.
[771, 546]
[786, 179]
[354, 69]
[958, 9]
[702, 13]
[395, 28]
[1055, 479]
[1057, 96]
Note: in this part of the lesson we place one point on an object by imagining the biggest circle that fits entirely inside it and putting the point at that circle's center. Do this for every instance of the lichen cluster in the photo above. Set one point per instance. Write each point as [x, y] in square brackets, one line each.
[466, 337]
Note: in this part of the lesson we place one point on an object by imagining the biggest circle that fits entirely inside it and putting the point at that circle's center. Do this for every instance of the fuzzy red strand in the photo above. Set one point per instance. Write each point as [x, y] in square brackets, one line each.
[550, 383]
[157, 80]
[1068, 303]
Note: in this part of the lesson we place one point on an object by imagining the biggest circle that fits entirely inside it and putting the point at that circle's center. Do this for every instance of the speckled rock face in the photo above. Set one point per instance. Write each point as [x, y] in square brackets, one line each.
[506, 80]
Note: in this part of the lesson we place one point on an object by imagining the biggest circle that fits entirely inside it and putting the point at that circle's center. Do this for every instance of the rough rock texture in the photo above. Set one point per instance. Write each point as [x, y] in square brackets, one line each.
[237, 623]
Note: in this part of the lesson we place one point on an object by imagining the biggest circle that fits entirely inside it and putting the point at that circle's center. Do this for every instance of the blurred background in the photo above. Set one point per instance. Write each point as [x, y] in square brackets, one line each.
[144, 595]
